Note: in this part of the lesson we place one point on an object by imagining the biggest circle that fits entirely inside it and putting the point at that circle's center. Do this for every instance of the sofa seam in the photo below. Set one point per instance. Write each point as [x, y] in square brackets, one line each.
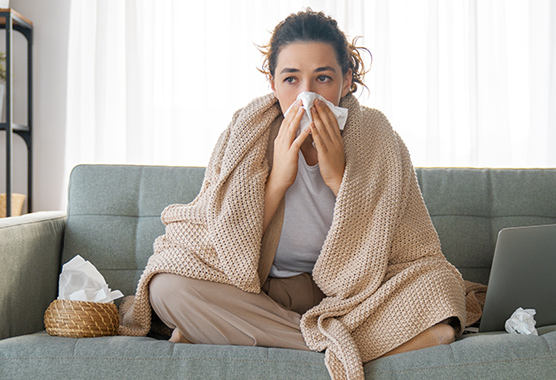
[121, 215]
[455, 365]
[73, 357]
[156, 359]
[432, 216]
[139, 192]
[494, 217]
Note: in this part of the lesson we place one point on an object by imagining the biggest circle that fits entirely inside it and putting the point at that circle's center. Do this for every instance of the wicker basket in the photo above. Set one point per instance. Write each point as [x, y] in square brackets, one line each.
[17, 204]
[79, 319]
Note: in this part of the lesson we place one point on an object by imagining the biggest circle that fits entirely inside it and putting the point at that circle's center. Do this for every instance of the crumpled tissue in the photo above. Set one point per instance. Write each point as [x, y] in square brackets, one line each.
[307, 99]
[522, 321]
[81, 281]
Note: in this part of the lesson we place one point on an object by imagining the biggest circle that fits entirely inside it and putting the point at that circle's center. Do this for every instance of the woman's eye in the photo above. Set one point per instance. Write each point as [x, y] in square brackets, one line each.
[289, 80]
[324, 78]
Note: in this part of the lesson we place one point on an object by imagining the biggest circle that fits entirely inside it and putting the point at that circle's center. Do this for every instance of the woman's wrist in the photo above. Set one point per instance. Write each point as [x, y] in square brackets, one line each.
[275, 191]
[275, 186]
[335, 187]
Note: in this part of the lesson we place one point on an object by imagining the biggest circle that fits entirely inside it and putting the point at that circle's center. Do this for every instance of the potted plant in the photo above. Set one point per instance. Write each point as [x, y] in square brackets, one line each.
[2, 85]
[2, 66]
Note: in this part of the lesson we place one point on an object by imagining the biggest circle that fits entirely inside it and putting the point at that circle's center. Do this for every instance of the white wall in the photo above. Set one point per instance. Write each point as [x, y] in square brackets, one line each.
[50, 28]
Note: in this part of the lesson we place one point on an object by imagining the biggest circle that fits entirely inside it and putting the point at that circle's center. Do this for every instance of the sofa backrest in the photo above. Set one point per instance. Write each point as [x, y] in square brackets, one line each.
[114, 215]
[469, 207]
[114, 212]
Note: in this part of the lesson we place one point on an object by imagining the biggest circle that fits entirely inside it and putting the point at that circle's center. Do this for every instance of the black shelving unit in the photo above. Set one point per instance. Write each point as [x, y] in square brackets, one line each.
[10, 20]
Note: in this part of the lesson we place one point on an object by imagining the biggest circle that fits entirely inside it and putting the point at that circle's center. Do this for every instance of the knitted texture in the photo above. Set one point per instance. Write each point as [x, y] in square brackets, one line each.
[475, 295]
[381, 266]
[216, 237]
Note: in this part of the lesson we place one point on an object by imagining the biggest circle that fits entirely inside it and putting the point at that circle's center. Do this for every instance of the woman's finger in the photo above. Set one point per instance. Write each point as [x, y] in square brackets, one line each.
[317, 138]
[294, 124]
[331, 160]
[290, 124]
[301, 138]
[321, 126]
[288, 118]
[328, 118]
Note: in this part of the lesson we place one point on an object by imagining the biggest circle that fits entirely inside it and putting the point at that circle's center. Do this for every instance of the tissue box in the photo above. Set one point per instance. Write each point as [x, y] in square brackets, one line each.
[80, 319]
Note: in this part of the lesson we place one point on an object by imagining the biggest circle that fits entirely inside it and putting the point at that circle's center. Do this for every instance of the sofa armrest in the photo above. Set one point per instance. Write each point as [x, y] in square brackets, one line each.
[30, 254]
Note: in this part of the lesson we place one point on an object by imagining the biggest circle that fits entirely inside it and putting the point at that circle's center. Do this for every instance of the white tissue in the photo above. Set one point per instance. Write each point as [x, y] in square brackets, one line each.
[81, 281]
[307, 99]
[522, 322]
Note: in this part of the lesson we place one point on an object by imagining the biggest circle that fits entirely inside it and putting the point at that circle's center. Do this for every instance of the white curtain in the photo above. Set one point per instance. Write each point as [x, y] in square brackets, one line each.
[464, 82]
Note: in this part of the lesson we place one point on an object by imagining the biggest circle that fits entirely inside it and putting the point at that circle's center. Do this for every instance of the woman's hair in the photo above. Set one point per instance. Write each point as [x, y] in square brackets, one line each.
[310, 26]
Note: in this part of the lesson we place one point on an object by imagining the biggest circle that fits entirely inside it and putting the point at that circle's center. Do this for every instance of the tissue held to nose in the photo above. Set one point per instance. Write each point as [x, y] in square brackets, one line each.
[307, 99]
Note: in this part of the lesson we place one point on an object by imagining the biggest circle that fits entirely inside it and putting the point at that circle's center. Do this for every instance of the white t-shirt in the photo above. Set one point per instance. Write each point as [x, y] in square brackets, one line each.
[308, 215]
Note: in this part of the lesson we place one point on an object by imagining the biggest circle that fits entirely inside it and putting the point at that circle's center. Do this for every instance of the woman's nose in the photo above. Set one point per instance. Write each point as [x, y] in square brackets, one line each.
[307, 86]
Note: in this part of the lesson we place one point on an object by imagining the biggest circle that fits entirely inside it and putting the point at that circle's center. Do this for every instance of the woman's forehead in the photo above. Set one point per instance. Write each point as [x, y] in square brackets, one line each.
[306, 55]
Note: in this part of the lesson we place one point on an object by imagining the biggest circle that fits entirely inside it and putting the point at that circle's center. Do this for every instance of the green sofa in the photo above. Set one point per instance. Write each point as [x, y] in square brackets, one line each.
[113, 218]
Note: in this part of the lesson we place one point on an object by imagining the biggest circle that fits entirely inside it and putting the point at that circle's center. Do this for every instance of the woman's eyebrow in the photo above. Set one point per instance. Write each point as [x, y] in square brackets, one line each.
[289, 70]
[317, 70]
[325, 68]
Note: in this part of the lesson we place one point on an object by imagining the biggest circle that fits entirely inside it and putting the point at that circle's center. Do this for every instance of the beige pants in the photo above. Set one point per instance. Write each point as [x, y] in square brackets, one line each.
[212, 313]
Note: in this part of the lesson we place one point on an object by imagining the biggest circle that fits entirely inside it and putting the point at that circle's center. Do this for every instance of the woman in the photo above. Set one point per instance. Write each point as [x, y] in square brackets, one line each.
[314, 239]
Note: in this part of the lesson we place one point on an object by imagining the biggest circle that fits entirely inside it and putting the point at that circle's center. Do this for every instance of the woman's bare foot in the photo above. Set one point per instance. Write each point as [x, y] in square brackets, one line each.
[177, 337]
[438, 334]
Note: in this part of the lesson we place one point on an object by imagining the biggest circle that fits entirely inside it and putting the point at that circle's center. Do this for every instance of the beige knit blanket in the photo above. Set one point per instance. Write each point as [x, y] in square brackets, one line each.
[381, 266]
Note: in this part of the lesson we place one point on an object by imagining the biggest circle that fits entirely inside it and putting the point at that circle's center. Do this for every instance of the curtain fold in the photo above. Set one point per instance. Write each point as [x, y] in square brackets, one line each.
[464, 82]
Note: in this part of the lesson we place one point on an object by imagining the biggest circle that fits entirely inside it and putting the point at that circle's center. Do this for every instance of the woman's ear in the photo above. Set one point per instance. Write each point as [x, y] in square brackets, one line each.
[347, 83]
[272, 86]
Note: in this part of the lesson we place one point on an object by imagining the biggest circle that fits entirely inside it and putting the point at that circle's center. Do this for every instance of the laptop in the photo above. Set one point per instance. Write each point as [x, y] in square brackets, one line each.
[523, 274]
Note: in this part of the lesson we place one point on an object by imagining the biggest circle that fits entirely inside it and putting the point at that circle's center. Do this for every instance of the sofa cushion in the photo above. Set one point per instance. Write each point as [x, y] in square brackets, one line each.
[40, 356]
[488, 355]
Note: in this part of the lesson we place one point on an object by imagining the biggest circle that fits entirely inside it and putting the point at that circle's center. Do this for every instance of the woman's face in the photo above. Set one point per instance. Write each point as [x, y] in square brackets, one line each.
[308, 66]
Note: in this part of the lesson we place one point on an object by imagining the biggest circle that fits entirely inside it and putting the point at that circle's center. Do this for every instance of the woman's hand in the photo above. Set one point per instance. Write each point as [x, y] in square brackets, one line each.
[284, 166]
[329, 145]
[286, 149]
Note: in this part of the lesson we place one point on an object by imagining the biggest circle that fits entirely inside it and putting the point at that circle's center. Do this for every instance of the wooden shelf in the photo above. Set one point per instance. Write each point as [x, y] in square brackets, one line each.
[18, 18]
